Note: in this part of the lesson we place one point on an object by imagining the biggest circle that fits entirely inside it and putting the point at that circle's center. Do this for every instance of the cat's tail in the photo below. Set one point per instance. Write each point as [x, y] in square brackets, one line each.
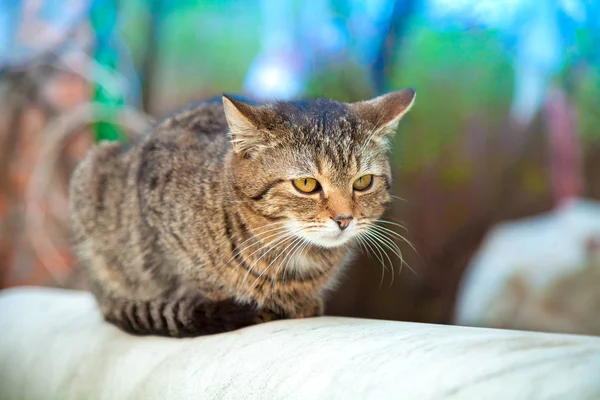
[186, 316]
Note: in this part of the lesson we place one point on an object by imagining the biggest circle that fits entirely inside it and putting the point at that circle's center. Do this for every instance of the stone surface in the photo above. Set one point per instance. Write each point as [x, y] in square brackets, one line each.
[54, 345]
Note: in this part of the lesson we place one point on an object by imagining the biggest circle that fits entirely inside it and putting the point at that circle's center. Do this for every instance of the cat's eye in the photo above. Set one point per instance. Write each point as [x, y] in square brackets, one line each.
[363, 183]
[306, 185]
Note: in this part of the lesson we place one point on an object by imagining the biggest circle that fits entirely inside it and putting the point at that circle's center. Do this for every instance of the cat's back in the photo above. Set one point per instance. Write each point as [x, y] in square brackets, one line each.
[204, 118]
[115, 182]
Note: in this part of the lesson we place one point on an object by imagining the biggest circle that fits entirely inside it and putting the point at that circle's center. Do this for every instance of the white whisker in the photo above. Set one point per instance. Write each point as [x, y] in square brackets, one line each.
[295, 240]
[256, 241]
[380, 252]
[303, 244]
[362, 241]
[391, 232]
[289, 256]
[385, 221]
[278, 241]
[390, 244]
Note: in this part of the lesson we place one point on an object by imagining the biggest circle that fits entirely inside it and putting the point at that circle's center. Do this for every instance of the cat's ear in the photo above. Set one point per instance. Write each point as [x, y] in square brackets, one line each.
[384, 112]
[244, 122]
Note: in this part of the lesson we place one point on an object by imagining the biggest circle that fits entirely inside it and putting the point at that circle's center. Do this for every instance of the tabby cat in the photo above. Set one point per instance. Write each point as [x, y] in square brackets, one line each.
[230, 213]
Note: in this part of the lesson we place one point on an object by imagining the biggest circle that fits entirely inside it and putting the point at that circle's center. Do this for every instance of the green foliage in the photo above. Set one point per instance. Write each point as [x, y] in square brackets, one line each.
[586, 97]
[461, 74]
[203, 46]
[102, 19]
[341, 81]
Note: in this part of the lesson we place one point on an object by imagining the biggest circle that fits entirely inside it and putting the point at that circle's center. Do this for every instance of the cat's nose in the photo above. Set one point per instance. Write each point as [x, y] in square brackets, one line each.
[343, 221]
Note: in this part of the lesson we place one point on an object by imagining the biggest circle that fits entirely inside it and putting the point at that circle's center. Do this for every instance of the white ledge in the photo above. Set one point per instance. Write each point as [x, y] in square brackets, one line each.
[54, 345]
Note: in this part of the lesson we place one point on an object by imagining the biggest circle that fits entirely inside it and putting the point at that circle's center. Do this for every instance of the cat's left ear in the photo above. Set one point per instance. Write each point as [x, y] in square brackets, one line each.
[384, 112]
[244, 122]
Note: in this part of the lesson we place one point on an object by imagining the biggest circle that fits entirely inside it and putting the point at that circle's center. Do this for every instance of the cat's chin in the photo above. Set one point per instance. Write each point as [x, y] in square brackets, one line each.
[332, 243]
[329, 241]
[329, 236]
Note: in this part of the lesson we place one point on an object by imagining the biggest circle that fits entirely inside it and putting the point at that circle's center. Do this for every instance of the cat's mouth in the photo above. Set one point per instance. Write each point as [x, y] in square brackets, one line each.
[335, 241]
[328, 235]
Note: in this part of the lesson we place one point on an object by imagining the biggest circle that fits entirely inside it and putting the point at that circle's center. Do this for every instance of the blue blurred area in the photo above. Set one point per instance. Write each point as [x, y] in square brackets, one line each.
[287, 43]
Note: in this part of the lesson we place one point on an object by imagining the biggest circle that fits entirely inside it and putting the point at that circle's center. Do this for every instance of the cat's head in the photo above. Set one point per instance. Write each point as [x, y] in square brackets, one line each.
[319, 169]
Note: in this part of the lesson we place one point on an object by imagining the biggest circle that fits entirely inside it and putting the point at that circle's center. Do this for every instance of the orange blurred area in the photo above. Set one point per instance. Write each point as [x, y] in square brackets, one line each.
[25, 258]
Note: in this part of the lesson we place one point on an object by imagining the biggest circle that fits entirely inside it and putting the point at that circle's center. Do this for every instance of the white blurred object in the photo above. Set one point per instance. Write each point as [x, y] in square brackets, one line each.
[54, 345]
[540, 273]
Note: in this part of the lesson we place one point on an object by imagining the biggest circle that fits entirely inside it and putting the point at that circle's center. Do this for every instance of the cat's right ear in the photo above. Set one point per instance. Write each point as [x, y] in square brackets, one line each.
[384, 112]
[244, 126]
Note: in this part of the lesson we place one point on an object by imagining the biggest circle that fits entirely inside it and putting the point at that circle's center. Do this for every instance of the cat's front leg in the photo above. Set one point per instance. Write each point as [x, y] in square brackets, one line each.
[307, 309]
[266, 315]
[316, 308]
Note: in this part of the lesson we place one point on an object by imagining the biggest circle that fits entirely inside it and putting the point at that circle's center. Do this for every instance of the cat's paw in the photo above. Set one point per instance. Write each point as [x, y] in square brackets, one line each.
[315, 308]
[266, 316]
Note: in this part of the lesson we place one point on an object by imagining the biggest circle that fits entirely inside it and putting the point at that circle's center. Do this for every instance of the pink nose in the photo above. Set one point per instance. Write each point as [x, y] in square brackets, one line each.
[343, 221]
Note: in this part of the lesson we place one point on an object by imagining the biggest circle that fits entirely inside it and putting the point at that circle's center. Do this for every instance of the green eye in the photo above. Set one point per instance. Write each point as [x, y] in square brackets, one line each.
[363, 183]
[306, 185]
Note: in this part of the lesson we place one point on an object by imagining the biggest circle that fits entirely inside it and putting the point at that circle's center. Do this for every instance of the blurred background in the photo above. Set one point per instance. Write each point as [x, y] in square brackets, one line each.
[497, 167]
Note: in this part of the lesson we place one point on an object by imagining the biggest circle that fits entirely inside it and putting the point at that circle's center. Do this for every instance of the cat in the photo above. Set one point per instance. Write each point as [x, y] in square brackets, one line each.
[230, 213]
